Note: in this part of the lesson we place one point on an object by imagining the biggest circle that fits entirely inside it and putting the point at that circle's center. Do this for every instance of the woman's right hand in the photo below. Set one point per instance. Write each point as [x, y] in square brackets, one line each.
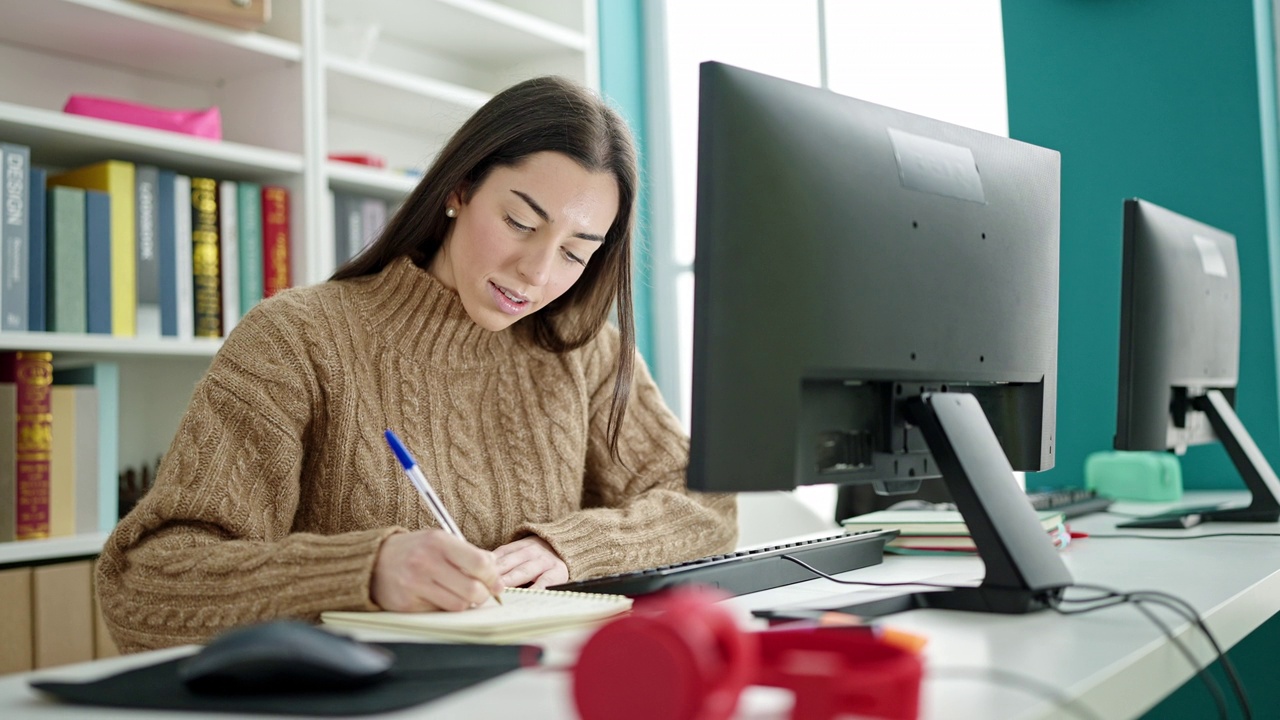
[432, 570]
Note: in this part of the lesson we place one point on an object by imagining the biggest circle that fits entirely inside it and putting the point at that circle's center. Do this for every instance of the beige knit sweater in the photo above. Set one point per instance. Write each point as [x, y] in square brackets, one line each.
[279, 488]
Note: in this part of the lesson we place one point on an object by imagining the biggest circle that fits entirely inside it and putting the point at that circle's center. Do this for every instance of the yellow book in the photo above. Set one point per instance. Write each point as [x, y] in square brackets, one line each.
[523, 614]
[118, 179]
[62, 463]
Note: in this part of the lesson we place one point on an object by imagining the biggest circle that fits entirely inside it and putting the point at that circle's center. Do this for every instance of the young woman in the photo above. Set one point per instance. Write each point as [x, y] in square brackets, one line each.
[476, 328]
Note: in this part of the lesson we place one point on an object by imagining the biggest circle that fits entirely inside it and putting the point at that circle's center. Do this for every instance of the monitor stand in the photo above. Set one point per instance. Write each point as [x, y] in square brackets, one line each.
[1024, 571]
[1252, 465]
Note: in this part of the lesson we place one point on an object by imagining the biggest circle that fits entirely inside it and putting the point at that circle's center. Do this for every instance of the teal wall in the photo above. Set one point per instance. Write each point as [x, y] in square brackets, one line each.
[1159, 99]
[622, 82]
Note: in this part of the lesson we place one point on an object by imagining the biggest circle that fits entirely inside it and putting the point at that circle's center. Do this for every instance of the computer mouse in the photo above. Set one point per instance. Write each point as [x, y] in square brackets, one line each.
[283, 656]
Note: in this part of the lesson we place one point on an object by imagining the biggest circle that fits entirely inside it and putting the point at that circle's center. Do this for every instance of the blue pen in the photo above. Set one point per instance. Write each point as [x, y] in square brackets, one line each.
[424, 489]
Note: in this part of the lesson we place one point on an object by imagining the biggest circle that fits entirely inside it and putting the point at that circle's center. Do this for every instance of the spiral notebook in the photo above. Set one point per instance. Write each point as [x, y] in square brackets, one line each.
[524, 613]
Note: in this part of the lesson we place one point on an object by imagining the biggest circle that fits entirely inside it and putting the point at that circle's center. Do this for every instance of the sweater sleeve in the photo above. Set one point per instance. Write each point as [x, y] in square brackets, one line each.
[637, 513]
[210, 546]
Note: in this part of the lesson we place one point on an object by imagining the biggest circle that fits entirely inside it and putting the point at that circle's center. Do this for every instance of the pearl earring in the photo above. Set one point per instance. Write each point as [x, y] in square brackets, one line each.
[450, 212]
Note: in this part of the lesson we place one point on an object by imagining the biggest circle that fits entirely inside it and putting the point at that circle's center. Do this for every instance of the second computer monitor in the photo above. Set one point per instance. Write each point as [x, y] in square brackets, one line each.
[1180, 353]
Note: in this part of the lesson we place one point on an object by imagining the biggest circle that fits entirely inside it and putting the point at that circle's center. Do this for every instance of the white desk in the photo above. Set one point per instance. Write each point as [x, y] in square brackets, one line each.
[1114, 661]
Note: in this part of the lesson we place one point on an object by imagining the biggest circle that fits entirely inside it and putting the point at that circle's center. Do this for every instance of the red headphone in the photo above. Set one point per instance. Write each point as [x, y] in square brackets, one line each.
[681, 656]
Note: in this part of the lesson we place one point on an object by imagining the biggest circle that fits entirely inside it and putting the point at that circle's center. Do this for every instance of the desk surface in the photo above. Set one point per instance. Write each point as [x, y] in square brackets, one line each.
[1114, 662]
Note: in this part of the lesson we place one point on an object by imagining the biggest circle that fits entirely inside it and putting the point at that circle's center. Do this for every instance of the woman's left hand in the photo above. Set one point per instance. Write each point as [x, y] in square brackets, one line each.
[530, 560]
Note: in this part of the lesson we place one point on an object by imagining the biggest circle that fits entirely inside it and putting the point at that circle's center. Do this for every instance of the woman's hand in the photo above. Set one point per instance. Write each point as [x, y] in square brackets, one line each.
[432, 570]
[530, 560]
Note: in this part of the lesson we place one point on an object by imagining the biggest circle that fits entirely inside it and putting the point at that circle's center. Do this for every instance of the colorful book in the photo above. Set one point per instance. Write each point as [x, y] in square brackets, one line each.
[32, 374]
[118, 179]
[100, 291]
[62, 462]
[167, 251]
[229, 253]
[249, 210]
[65, 265]
[15, 221]
[206, 272]
[182, 239]
[147, 250]
[276, 238]
[104, 376]
[37, 202]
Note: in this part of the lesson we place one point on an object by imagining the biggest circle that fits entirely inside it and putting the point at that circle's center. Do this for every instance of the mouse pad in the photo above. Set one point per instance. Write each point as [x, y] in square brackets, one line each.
[422, 672]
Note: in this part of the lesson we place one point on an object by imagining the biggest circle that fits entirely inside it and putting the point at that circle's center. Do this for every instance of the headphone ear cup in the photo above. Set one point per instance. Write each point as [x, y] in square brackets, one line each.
[683, 658]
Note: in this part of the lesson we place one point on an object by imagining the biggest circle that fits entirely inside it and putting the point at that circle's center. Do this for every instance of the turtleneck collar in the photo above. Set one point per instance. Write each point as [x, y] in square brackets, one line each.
[426, 320]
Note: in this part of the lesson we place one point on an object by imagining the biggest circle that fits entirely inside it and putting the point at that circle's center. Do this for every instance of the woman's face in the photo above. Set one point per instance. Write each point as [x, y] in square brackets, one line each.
[524, 237]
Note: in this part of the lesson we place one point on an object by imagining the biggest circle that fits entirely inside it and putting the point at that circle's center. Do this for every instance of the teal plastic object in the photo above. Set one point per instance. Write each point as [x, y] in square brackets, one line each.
[1146, 476]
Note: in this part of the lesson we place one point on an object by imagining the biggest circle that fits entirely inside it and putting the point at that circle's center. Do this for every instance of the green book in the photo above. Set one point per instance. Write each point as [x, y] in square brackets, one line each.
[249, 209]
[65, 267]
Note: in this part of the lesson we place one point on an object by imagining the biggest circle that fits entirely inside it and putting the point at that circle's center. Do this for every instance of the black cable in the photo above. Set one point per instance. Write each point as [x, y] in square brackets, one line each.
[1188, 613]
[1017, 681]
[1126, 536]
[825, 576]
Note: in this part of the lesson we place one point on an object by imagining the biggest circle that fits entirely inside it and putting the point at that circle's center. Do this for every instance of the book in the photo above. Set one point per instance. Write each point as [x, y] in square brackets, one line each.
[65, 263]
[182, 255]
[32, 374]
[229, 253]
[62, 462]
[275, 240]
[104, 376]
[524, 613]
[147, 256]
[118, 179]
[99, 282]
[37, 201]
[167, 250]
[206, 271]
[929, 522]
[249, 209]
[15, 289]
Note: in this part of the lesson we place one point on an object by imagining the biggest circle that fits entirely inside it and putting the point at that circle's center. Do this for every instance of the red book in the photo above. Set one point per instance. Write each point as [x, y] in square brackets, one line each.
[275, 239]
[32, 374]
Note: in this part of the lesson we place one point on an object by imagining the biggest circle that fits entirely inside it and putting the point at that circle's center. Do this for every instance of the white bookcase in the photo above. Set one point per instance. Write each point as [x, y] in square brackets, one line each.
[388, 77]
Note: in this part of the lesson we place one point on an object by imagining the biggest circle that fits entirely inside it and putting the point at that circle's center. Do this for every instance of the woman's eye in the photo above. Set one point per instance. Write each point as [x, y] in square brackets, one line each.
[517, 226]
[568, 254]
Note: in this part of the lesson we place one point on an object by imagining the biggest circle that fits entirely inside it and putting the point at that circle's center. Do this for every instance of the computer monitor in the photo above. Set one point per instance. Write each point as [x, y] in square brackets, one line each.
[1180, 354]
[876, 301]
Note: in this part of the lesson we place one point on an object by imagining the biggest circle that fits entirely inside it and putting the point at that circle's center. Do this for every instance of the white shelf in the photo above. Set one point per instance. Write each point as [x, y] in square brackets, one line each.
[27, 551]
[68, 344]
[480, 32]
[369, 181]
[142, 38]
[398, 99]
[65, 140]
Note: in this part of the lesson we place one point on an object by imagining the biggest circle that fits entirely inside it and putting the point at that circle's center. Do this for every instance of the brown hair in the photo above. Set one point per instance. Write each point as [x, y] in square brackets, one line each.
[539, 115]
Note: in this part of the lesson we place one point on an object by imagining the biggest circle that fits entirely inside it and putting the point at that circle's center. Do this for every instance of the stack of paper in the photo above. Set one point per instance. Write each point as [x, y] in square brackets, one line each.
[940, 530]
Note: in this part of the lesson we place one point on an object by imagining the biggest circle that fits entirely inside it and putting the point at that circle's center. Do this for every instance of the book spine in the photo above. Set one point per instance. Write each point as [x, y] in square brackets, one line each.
[373, 213]
[146, 255]
[62, 461]
[100, 294]
[66, 266]
[15, 289]
[37, 201]
[275, 239]
[104, 377]
[32, 372]
[182, 245]
[206, 274]
[229, 255]
[249, 207]
[166, 252]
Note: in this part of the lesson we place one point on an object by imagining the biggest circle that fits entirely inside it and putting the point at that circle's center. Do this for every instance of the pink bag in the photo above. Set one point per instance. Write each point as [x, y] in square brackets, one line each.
[203, 123]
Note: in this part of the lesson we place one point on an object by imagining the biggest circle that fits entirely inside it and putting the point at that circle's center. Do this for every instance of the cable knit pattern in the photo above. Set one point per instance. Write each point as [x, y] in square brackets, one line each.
[278, 490]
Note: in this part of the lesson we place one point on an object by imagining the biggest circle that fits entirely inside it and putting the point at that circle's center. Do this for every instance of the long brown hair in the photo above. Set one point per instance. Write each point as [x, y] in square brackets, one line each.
[539, 115]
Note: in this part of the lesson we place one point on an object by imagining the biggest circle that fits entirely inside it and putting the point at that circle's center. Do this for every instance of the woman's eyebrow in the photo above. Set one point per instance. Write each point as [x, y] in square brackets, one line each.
[533, 204]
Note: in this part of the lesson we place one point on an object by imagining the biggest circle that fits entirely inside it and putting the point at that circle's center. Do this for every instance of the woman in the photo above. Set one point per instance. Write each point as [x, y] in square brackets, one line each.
[475, 328]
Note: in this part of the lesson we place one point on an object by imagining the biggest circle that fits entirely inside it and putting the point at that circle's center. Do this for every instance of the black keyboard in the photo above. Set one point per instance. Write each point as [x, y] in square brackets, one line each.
[752, 569]
[1071, 502]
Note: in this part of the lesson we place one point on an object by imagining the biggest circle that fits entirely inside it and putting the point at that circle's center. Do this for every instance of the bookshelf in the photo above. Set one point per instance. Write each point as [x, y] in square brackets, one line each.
[388, 77]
